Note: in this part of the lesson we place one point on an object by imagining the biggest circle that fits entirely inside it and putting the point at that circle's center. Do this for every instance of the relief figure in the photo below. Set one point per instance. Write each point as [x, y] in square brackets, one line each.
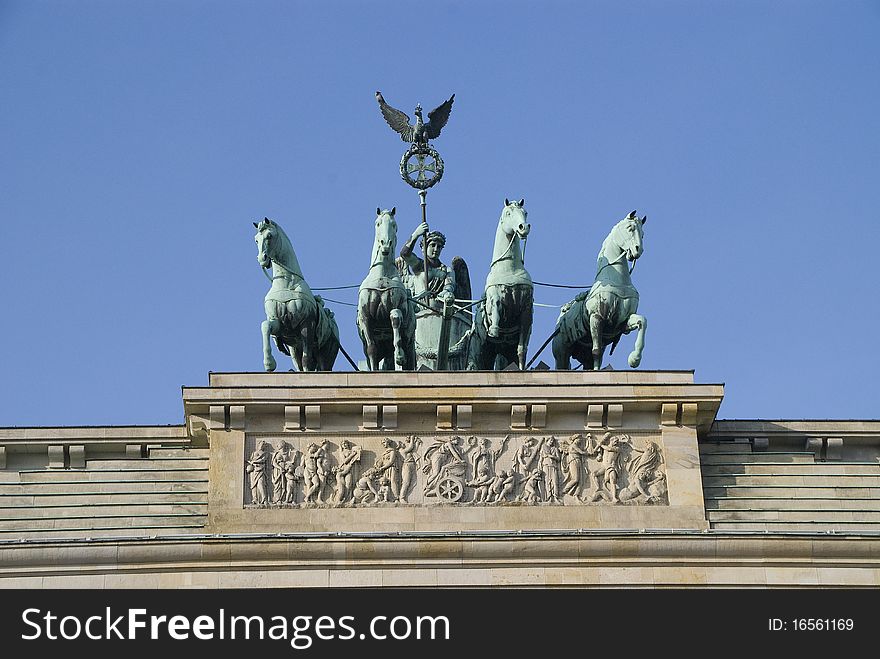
[409, 470]
[607, 472]
[573, 462]
[646, 479]
[257, 469]
[315, 471]
[551, 457]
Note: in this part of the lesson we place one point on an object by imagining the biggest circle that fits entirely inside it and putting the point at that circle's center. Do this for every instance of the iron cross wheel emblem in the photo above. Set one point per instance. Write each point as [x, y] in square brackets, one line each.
[421, 166]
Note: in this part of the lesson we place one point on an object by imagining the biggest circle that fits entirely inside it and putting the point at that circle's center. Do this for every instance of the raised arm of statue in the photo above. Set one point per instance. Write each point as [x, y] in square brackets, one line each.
[497, 452]
[406, 252]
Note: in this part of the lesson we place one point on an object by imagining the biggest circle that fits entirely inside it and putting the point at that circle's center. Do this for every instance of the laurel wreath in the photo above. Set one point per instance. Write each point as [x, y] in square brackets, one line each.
[423, 150]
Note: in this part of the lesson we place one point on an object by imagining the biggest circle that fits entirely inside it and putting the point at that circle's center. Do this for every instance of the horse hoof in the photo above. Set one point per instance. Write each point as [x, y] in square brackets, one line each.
[269, 364]
[493, 332]
[634, 359]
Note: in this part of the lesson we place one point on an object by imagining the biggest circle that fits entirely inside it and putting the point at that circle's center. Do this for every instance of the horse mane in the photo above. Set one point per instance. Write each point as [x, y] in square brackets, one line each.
[286, 248]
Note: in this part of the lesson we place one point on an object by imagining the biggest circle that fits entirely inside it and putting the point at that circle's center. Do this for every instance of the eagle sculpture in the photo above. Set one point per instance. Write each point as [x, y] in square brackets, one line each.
[421, 132]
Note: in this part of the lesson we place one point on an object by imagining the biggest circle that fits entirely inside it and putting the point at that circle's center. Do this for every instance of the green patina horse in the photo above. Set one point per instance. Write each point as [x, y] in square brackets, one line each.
[599, 317]
[503, 319]
[386, 319]
[302, 327]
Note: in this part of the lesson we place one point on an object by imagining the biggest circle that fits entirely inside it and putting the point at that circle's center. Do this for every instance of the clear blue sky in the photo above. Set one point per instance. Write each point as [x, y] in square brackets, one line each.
[141, 139]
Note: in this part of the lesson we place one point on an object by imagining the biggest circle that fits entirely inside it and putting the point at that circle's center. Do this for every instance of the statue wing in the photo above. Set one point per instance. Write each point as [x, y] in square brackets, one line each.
[462, 279]
[438, 117]
[398, 120]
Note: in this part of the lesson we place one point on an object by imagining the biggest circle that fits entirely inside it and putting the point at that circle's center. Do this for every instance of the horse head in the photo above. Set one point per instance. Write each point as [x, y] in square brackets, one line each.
[385, 244]
[513, 219]
[269, 242]
[628, 236]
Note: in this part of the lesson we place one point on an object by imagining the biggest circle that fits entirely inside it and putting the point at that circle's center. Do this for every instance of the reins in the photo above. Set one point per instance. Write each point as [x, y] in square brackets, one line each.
[283, 267]
[615, 261]
[509, 245]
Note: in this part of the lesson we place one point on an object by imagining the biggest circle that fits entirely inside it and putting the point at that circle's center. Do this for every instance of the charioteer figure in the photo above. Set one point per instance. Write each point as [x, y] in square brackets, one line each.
[442, 286]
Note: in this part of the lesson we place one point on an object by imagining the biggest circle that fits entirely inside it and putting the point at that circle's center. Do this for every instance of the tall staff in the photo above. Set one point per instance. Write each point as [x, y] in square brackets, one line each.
[423, 195]
[421, 167]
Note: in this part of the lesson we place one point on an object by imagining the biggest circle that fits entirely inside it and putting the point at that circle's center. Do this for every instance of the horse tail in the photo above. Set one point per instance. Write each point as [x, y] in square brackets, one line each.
[614, 344]
[328, 336]
[282, 346]
[396, 316]
[477, 334]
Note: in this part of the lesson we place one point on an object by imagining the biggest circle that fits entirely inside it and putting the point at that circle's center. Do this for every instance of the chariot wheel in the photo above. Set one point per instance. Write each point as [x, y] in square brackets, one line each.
[450, 489]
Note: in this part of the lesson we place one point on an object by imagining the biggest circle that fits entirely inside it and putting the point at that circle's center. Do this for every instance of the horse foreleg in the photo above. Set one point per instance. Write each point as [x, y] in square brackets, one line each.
[269, 327]
[640, 323]
[399, 352]
[596, 336]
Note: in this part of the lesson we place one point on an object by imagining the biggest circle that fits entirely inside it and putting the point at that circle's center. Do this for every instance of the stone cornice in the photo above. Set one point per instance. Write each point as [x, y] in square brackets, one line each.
[657, 558]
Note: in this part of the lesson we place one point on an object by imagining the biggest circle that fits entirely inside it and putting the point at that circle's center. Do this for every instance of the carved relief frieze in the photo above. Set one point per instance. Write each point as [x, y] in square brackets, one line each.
[613, 468]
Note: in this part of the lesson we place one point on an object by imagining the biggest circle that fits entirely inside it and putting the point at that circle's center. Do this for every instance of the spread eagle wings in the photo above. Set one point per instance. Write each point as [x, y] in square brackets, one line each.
[400, 121]
[438, 117]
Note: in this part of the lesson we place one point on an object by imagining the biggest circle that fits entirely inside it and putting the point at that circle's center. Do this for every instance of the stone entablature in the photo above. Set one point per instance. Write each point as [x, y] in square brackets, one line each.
[452, 451]
[585, 559]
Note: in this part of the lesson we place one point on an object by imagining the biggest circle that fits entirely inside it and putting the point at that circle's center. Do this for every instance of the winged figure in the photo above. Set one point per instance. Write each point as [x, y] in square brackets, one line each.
[421, 132]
